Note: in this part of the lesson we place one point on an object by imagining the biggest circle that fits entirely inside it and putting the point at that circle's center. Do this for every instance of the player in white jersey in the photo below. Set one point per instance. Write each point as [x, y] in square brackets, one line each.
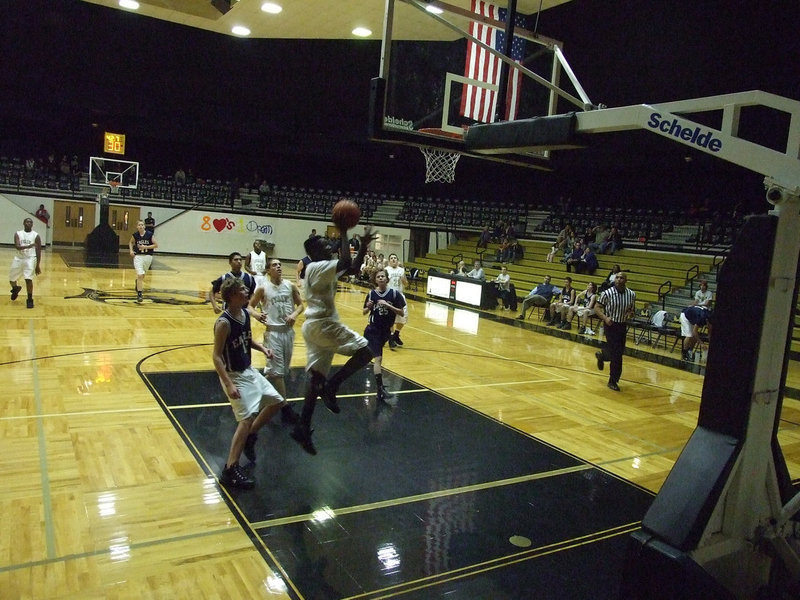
[323, 331]
[27, 260]
[255, 263]
[280, 301]
[397, 281]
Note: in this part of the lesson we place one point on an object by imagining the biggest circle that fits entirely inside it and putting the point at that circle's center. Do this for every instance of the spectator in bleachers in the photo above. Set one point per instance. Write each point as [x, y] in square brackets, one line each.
[702, 297]
[565, 239]
[587, 236]
[74, 165]
[504, 250]
[368, 267]
[517, 251]
[263, 193]
[484, 239]
[588, 262]
[583, 308]
[497, 232]
[477, 271]
[599, 235]
[565, 301]
[541, 295]
[551, 255]
[609, 281]
[612, 243]
[574, 257]
[50, 165]
[180, 176]
[63, 166]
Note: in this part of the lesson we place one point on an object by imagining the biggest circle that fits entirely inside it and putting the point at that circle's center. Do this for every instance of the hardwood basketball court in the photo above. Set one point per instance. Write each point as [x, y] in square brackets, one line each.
[115, 426]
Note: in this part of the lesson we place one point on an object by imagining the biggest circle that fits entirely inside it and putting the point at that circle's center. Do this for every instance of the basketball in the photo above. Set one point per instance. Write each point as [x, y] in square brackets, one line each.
[346, 214]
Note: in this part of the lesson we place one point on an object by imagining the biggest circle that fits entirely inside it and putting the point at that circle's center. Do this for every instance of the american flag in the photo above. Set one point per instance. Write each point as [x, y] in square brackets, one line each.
[477, 103]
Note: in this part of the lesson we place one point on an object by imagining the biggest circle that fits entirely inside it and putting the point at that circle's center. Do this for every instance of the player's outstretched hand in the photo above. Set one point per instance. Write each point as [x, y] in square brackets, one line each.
[367, 236]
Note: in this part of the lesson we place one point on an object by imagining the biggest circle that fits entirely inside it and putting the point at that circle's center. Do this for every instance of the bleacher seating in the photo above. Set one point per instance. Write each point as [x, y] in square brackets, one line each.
[651, 274]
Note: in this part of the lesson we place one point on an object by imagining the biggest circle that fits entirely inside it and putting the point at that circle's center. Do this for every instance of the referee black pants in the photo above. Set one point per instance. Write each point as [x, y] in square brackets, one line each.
[614, 348]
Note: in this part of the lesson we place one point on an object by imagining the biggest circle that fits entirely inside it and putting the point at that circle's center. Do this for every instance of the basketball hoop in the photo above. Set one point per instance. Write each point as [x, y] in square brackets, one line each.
[440, 163]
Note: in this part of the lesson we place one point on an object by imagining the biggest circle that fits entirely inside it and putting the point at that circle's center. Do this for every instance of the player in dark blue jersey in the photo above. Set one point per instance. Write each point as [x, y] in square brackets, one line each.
[236, 261]
[383, 305]
[253, 399]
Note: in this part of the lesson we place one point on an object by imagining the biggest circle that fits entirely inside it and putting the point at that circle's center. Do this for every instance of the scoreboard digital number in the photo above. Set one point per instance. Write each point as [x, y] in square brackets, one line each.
[114, 143]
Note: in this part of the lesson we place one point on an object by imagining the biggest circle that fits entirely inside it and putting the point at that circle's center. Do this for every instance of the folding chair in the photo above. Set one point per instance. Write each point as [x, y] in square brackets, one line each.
[414, 279]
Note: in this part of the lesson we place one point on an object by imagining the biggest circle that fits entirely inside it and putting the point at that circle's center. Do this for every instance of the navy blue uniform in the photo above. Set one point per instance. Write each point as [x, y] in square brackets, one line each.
[247, 279]
[237, 346]
[142, 240]
[381, 318]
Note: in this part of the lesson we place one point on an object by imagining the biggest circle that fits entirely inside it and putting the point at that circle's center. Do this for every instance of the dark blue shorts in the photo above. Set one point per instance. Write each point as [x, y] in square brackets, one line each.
[376, 339]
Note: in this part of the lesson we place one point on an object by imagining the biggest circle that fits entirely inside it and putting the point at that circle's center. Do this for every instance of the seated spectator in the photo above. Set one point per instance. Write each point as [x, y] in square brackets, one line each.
[702, 297]
[484, 239]
[517, 251]
[541, 295]
[551, 255]
[599, 234]
[477, 271]
[692, 318]
[588, 262]
[612, 243]
[497, 232]
[574, 257]
[368, 266]
[565, 301]
[503, 283]
[459, 269]
[503, 250]
[263, 193]
[42, 214]
[565, 239]
[584, 309]
[180, 176]
[609, 281]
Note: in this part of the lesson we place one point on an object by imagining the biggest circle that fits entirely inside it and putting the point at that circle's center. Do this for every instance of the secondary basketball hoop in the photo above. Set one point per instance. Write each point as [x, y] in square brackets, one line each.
[440, 164]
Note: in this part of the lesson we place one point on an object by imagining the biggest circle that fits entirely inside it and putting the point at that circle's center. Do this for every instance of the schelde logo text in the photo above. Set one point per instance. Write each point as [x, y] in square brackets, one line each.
[694, 135]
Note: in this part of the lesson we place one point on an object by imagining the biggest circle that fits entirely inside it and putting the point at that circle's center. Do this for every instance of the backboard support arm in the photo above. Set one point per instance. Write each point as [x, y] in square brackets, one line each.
[741, 529]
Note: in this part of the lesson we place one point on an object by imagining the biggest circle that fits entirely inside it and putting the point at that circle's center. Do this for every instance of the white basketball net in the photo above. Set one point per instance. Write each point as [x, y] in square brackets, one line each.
[440, 164]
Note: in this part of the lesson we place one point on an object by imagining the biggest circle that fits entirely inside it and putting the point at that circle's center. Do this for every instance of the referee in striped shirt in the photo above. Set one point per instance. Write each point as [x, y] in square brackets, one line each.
[614, 307]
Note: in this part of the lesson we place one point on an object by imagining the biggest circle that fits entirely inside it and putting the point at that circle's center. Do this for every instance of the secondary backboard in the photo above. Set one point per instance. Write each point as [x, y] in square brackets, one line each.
[429, 92]
[108, 171]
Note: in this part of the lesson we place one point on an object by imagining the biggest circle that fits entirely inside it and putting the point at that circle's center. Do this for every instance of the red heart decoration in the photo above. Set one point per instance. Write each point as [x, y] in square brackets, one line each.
[220, 224]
